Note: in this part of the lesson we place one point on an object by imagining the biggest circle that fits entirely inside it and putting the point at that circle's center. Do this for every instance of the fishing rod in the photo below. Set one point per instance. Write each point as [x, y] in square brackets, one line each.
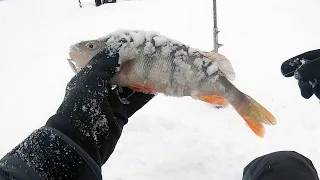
[216, 44]
[80, 5]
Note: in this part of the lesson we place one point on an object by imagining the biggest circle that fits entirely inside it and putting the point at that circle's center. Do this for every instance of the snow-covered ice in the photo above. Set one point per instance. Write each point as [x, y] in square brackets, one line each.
[170, 138]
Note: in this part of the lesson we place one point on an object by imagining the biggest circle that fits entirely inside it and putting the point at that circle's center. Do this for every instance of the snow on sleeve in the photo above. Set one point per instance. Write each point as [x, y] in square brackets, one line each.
[3, 163]
[313, 84]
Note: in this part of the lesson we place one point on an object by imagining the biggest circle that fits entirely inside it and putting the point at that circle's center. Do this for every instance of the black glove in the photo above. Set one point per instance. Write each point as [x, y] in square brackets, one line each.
[95, 111]
[81, 136]
[306, 69]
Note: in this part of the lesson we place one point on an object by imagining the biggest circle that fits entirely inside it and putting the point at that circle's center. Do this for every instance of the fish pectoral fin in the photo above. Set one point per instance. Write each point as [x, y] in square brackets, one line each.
[142, 88]
[255, 116]
[214, 99]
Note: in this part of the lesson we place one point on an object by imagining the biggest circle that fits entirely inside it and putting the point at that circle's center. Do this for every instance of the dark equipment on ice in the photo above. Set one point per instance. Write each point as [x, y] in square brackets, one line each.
[100, 2]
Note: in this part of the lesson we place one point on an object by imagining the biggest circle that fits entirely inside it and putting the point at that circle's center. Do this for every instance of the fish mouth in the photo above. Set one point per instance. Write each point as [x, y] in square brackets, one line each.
[71, 61]
[73, 66]
[75, 59]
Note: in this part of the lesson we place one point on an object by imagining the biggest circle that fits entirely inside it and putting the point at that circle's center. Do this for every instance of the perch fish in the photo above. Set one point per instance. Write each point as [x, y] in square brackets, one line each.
[153, 63]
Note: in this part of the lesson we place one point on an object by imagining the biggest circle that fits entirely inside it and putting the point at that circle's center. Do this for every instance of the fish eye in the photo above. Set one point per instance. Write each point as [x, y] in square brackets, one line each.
[91, 46]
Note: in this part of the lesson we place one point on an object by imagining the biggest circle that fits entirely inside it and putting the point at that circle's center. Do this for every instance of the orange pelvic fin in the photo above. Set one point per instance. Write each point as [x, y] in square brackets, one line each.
[214, 99]
[255, 116]
[142, 88]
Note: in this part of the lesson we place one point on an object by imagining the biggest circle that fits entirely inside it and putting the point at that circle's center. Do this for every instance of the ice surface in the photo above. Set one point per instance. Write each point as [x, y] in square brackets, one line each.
[169, 138]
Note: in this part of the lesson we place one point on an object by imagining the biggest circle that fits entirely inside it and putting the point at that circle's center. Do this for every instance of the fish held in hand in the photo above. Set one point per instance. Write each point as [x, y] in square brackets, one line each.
[153, 63]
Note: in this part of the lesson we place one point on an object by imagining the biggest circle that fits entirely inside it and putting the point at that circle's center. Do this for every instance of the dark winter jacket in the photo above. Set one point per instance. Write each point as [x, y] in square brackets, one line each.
[48, 153]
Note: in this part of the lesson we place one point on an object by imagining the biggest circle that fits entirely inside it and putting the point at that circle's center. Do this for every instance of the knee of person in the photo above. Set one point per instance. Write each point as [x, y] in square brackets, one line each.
[280, 164]
[291, 155]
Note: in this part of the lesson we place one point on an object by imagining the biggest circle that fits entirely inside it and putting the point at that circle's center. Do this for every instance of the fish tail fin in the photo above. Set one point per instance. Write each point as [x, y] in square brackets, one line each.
[255, 115]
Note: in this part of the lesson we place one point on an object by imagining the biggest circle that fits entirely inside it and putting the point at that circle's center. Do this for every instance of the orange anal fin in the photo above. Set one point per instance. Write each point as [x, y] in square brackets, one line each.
[142, 88]
[214, 99]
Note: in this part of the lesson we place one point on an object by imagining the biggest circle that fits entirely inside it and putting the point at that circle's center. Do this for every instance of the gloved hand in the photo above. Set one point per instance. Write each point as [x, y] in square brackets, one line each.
[79, 138]
[306, 69]
[95, 110]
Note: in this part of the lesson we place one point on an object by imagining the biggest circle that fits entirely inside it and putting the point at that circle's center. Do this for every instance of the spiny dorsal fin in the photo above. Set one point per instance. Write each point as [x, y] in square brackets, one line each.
[224, 64]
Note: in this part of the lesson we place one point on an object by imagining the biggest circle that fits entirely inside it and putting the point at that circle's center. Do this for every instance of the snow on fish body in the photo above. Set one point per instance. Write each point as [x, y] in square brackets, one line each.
[152, 63]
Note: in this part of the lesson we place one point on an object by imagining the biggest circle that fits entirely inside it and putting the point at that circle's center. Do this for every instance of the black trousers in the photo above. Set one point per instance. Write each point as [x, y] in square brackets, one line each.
[281, 165]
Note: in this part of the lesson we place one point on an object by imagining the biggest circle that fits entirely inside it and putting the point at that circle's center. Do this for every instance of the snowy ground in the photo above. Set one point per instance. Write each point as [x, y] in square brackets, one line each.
[169, 138]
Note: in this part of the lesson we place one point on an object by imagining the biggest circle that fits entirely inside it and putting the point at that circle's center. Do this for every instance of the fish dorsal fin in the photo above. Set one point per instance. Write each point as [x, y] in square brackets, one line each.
[224, 64]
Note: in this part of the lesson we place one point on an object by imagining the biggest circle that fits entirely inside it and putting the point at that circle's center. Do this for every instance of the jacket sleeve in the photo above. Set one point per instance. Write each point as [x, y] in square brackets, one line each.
[83, 133]
[48, 154]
